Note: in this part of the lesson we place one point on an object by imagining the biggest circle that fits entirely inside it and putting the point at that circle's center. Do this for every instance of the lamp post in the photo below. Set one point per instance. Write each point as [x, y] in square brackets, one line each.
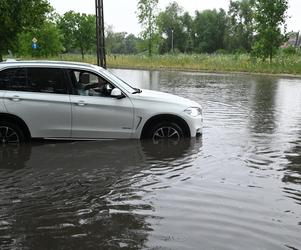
[172, 45]
[100, 34]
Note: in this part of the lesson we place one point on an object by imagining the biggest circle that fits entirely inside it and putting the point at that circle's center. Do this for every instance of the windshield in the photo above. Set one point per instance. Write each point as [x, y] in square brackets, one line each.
[116, 79]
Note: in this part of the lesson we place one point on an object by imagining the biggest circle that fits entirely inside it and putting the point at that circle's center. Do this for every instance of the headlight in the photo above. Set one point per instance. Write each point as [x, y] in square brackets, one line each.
[193, 111]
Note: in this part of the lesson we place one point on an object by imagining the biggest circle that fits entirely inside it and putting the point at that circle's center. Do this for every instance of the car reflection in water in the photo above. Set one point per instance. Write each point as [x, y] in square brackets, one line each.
[84, 195]
[94, 154]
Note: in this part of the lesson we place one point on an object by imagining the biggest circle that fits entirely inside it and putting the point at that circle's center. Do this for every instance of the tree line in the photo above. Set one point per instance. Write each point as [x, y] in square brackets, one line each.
[248, 26]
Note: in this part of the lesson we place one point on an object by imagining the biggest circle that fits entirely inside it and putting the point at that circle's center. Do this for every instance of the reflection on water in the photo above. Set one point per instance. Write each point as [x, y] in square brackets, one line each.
[236, 188]
[262, 119]
[60, 194]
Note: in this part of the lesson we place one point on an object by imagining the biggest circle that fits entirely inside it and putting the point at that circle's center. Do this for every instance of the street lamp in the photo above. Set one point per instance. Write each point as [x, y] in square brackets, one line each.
[172, 45]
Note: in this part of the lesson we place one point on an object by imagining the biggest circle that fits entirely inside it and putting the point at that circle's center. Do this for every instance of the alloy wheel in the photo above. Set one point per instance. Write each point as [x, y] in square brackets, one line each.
[166, 132]
[8, 135]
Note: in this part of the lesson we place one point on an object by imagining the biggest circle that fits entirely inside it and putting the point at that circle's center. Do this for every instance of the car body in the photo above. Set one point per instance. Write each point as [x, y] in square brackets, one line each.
[65, 100]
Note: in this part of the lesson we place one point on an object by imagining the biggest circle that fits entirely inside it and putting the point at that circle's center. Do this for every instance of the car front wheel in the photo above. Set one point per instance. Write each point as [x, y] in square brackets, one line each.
[170, 131]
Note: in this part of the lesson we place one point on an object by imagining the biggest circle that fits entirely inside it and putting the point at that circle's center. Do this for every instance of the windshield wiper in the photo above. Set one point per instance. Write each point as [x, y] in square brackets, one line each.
[137, 91]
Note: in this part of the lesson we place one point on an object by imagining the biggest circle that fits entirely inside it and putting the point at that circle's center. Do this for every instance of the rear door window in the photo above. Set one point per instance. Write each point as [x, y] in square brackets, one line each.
[42, 80]
[5, 78]
[18, 80]
[45, 80]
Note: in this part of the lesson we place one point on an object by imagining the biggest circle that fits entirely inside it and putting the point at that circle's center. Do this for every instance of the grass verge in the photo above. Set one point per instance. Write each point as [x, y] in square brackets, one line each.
[282, 64]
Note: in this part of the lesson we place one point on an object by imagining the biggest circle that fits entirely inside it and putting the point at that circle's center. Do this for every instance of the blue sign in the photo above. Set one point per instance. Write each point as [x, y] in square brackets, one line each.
[34, 45]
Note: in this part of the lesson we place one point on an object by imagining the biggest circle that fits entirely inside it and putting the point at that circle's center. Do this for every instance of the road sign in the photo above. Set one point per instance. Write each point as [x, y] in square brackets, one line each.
[34, 45]
[34, 40]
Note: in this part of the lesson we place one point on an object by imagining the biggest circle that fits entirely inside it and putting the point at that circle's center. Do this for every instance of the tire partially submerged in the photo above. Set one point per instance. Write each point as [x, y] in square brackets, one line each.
[165, 130]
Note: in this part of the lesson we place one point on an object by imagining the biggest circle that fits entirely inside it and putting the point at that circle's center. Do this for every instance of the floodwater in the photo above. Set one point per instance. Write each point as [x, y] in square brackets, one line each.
[236, 187]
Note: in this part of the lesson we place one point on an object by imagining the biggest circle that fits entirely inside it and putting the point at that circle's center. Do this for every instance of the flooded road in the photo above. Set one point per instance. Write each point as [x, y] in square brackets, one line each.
[237, 187]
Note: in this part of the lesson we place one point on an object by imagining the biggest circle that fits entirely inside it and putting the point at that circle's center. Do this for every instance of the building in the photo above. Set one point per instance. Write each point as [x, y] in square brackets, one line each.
[294, 40]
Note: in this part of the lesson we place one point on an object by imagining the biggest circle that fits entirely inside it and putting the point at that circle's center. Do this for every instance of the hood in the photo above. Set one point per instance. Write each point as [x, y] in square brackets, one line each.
[158, 96]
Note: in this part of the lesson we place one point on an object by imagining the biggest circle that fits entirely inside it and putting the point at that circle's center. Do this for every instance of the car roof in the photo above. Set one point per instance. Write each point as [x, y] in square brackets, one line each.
[44, 63]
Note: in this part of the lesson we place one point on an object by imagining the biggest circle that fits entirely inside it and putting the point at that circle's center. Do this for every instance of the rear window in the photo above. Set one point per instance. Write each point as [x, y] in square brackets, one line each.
[5, 76]
[18, 80]
[46, 80]
[40, 80]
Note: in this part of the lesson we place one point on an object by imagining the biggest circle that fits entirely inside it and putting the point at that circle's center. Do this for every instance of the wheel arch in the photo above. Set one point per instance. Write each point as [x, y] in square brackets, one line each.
[165, 117]
[18, 121]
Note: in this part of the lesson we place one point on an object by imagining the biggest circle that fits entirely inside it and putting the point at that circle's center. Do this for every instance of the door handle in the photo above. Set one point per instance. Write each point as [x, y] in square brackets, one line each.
[80, 103]
[15, 98]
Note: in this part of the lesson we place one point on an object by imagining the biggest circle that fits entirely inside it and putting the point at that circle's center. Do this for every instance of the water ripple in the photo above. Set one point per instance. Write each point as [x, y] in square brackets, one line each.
[238, 187]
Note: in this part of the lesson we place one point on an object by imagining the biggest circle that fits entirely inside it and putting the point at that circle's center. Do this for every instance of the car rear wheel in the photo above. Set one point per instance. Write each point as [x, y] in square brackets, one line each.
[170, 131]
[10, 134]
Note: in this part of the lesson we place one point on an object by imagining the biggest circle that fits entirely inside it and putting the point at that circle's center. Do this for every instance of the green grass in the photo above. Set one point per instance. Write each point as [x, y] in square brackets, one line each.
[282, 64]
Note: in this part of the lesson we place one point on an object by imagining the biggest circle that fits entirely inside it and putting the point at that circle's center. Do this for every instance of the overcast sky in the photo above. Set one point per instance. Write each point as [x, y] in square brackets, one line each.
[122, 13]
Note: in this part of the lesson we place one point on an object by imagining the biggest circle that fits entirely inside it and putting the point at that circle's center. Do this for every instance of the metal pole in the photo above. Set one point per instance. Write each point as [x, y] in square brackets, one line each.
[172, 45]
[100, 34]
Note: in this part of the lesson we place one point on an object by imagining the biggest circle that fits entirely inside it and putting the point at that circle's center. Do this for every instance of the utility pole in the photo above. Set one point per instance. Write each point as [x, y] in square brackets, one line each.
[100, 34]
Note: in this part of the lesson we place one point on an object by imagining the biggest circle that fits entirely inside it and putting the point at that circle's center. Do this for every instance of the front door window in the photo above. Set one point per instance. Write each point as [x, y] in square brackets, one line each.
[89, 84]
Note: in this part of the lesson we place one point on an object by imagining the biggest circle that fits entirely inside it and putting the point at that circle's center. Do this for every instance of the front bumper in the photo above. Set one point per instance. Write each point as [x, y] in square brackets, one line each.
[196, 125]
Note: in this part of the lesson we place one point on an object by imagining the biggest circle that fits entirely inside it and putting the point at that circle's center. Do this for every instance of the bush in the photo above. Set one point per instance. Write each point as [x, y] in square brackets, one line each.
[289, 50]
[221, 52]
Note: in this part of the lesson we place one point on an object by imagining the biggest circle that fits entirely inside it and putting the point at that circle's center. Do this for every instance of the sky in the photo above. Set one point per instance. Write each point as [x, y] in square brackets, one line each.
[121, 14]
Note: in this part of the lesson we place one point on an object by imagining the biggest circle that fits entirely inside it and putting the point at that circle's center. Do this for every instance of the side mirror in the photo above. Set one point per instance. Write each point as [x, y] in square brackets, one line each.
[117, 93]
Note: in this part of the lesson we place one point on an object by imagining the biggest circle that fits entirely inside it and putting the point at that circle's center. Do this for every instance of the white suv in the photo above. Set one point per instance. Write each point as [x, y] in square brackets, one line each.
[63, 100]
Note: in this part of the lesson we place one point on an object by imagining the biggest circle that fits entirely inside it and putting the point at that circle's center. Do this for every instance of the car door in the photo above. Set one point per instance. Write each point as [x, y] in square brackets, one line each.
[95, 114]
[40, 97]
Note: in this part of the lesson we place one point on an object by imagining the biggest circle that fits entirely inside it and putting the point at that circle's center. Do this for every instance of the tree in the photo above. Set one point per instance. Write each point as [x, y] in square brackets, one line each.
[209, 29]
[270, 16]
[116, 43]
[79, 31]
[240, 28]
[188, 32]
[49, 41]
[120, 42]
[131, 44]
[147, 10]
[170, 28]
[19, 16]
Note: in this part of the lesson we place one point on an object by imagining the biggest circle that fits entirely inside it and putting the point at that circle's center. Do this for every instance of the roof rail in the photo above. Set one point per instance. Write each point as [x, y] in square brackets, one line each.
[50, 62]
